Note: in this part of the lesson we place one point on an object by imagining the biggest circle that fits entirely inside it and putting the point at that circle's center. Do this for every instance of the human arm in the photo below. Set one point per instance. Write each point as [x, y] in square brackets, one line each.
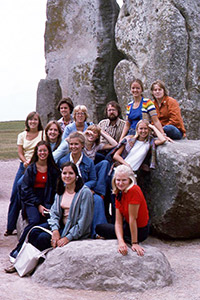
[61, 151]
[125, 130]
[21, 156]
[133, 213]
[117, 156]
[161, 138]
[122, 247]
[111, 142]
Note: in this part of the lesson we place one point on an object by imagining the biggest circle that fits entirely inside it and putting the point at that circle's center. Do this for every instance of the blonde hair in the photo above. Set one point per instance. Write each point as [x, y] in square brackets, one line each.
[77, 134]
[140, 122]
[96, 129]
[83, 108]
[123, 169]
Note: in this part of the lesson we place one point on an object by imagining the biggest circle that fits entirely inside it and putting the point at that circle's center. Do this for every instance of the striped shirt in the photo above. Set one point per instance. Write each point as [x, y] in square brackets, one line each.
[114, 131]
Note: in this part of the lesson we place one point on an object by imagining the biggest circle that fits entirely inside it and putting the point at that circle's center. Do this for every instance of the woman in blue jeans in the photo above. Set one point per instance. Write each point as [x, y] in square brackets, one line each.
[37, 190]
[26, 142]
[87, 171]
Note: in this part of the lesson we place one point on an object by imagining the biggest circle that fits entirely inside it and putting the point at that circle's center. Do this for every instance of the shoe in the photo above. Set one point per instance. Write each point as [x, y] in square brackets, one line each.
[8, 232]
[10, 269]
[13, 255]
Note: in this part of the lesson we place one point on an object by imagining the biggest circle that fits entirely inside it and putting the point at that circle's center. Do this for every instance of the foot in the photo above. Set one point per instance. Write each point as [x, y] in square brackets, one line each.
[13, 255]
[10, 269]
[8, 232]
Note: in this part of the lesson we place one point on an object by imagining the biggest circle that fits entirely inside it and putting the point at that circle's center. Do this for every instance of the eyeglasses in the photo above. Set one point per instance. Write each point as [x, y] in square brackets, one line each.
[79, 114]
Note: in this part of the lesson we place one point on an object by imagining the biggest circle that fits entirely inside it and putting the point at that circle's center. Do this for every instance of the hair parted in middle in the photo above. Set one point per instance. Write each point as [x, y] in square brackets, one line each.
[122, 169]
[161, 84]
[83, 108]
[77, 134]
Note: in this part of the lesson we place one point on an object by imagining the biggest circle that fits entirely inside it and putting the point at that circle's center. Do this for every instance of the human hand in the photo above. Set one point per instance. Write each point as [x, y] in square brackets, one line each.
[41, 209]
[63, 241]
[55, 238]
[122, 248]
[138, 249]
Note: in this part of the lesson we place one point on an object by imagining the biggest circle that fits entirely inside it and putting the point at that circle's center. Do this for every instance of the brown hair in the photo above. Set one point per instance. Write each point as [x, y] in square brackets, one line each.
[115, 105]
[68, 101]
[161, 84]
[139, 82]
[79, 135]
[59, 130]
[29, 117]
[96, 129]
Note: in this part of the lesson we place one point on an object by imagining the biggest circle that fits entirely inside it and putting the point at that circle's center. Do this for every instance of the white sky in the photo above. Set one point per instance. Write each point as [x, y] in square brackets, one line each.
[22, 62]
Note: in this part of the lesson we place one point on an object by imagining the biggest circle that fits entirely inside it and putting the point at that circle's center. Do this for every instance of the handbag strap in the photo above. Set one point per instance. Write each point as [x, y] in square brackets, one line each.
[38, 227]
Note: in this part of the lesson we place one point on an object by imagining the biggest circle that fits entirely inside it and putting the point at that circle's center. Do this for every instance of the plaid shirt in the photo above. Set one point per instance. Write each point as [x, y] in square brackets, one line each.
[114, 131]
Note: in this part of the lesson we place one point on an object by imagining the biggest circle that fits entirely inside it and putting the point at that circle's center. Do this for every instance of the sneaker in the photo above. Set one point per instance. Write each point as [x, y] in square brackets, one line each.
[13, 255]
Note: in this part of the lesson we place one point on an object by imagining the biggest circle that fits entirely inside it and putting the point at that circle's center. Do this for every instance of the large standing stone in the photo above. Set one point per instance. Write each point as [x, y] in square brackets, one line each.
[173, 192]
[80, 50]
[96, 265]
[160, 39]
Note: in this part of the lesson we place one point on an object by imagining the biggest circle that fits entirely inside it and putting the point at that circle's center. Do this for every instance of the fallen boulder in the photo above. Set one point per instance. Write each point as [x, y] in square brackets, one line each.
[96, 265]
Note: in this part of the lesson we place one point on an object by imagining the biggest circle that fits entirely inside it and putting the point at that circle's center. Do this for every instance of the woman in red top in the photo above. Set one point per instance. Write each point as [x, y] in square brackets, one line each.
[131, 224]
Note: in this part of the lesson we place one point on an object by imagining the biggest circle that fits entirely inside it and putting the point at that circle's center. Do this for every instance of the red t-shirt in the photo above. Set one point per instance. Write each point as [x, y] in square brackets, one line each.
[40, 180]
[133, 196]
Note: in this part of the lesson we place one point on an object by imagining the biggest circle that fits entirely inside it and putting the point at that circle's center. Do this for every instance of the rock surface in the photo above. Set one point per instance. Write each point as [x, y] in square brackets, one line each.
[80, 50]
[173, 192]
[96, 265]
[162, 41]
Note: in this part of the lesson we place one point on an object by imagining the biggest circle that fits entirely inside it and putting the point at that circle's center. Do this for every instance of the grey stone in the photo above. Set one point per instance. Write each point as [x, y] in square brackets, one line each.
[160, 39]
[96, 265]
[173, 192]
[80, 50]
[48, 95]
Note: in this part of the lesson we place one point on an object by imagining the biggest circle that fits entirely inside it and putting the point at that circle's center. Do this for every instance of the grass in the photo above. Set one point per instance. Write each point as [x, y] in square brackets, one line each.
[8, 138]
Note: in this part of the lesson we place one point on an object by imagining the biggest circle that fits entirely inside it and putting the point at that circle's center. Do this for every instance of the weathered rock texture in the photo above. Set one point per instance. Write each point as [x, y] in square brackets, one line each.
[48, 95]
[160, 39]
[80, 50]
[173, 192]
[96, 265]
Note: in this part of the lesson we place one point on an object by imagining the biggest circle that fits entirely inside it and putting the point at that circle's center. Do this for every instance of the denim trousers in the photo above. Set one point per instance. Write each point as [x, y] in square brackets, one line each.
[14, 206]
[173, 132]
[102, 169]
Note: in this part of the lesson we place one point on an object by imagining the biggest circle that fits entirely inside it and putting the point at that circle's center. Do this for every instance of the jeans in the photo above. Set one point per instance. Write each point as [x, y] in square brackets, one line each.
[14, 207]
[99, 214]
[40, 239]
[173, 132]
[102, 169]
[108, 232]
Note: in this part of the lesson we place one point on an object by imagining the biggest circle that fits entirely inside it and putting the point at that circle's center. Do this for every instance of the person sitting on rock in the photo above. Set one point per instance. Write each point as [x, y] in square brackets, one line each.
[71, 213]
[65, 108]
[132, 217]
[168, 111]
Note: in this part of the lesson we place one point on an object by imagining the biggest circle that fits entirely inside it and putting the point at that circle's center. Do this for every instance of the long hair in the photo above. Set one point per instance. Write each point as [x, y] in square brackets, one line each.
[50, 160]
[122, 169]
[29, 117]
[60, 184]
[139, 82]
[161, 84]
[136, 129]
[59, 130]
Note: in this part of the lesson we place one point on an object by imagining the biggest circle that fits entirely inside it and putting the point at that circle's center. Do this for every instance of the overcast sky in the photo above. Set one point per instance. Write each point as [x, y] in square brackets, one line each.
[22, 63]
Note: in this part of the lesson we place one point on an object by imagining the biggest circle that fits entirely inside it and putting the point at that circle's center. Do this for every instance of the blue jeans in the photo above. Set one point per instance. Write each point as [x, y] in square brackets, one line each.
[40, 239]
[173, 132]
[99, 214]
[102, 169]
[14, 207]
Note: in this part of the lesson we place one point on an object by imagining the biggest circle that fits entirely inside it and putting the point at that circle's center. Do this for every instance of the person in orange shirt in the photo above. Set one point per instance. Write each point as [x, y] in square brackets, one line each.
[168, 111]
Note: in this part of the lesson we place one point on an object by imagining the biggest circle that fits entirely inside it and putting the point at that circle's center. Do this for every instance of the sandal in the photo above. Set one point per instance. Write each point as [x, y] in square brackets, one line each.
[10, 269]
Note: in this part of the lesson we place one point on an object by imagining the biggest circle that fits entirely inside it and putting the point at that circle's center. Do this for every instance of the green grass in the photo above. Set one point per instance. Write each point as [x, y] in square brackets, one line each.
[8, 138]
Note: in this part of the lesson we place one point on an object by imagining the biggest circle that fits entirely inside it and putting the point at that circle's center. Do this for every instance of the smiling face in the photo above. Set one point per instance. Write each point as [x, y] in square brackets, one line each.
[75, 146]
[136, 89]
[91, 135]
[53, 133]
[142, 131]
[158, 92]
[42, 152]
[122, 181]
[68, 175]
[80, 116]
[33, 122]
[64, 110]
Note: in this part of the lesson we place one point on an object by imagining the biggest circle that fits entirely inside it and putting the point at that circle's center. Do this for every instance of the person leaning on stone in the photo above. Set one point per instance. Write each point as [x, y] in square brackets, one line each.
[168, 111]
[113, 125]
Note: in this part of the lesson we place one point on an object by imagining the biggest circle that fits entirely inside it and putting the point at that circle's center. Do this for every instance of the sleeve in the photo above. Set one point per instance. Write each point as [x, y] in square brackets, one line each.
[91, 176]
[67, 131]
[20, 139]
[135, 195]
[148, 109]
[55, 214]
[128, 108]
[85, 217]
[174, 113]
[27, 194]
[61, 151]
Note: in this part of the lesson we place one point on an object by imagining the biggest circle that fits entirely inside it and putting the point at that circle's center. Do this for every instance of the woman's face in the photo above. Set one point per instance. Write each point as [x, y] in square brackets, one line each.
[33, 122]
[75, 146]
[122, 181]
[80, 116]
[68, 175]
[53, 133]
[64, 110]
[91, 135]
[42, 152]
[142, 131]
[158, 92]
[136, 89]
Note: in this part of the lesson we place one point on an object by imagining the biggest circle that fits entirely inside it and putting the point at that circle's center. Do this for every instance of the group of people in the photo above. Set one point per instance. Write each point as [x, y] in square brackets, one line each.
[70, 172]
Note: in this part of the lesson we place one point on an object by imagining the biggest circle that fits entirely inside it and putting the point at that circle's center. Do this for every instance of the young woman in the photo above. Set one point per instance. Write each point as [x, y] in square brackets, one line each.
[26, 142]
[92, 141]
[131, 224]
[53, 134]
[71, 214]
[37, 190]
[65, 108]
[133, 149]
[139, 108]
[168, 111]
[87, 171]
